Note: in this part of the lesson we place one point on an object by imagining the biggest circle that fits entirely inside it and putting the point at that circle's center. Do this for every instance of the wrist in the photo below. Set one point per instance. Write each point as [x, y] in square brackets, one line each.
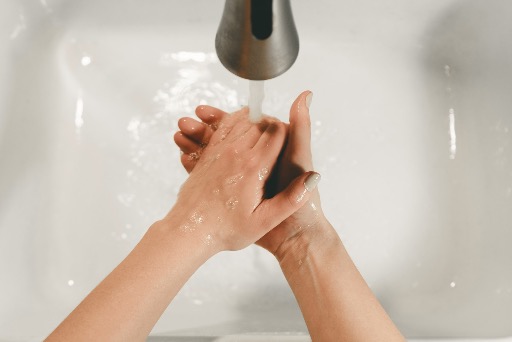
[176, 229]
[308, 243]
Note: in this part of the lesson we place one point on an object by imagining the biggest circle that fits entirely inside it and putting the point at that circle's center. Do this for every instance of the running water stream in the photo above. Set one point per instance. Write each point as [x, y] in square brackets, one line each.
[256, 96]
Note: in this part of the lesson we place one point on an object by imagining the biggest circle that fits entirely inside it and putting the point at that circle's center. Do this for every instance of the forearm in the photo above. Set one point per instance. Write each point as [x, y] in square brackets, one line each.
[129, 301]
[334, 298]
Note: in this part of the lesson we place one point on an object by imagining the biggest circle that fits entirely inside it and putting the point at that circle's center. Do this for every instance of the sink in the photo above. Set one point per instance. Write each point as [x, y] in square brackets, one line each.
[412, 133]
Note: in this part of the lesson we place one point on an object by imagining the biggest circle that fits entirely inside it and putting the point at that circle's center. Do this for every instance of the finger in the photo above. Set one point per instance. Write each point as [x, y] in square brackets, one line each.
[189, 161]
[253, 134]
[186, 144]
[241, 127]
[275, 210]
[210, 115]
[197, 131]
[226, 125]
[271, 141]
[193, 129]
[299, 136]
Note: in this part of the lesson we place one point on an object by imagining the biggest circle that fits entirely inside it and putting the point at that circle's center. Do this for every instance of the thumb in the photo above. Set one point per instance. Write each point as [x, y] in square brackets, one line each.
[275, 210]
[299, 139]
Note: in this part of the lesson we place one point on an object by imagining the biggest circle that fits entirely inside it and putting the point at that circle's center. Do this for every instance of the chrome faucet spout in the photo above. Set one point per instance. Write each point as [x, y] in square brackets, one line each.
[257, 39]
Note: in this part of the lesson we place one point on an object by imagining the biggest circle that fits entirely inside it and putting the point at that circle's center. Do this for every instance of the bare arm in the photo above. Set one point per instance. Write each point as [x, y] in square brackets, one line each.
[335, 300]
[128, 303]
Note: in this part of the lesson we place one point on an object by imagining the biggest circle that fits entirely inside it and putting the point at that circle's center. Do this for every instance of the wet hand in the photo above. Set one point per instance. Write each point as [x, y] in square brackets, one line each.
[223, 202]
[295, 160]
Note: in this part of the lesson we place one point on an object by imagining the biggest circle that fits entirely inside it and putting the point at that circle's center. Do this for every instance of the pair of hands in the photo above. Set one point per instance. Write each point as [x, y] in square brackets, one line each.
[248, 181]
[247, 184]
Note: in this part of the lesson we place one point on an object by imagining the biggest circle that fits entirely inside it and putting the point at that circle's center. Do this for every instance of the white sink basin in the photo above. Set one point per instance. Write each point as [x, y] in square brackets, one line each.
[412, 120]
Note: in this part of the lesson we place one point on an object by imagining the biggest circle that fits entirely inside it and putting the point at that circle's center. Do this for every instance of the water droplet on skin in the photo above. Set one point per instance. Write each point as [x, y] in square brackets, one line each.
[187, 228]
[301, 196]
[209, 240]
[235, 179]
[216, 191]
[263, 173]
[258, 195]
[231, 203]
[197, 218]
[193, 156]
[256, 204]
[223, 132]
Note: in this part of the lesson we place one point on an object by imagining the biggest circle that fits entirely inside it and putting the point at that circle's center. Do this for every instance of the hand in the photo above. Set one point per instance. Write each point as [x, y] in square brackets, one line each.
[295, 159]
[223, 200]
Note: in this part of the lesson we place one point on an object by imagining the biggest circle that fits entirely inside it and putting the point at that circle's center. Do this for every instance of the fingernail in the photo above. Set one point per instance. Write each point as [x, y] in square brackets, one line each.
[309, 98]
[312, 181]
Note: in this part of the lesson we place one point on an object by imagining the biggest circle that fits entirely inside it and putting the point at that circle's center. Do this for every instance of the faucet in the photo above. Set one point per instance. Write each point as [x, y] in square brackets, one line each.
[257, 39]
